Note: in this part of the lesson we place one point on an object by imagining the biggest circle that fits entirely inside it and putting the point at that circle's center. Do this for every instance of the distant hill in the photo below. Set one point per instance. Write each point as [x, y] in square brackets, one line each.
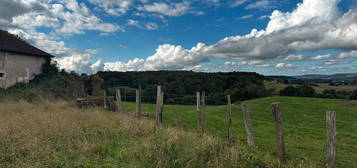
[343, 76]
[334, 79]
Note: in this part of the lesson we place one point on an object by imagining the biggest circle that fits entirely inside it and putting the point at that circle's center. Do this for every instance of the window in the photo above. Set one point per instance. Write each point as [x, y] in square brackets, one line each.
[2, 75]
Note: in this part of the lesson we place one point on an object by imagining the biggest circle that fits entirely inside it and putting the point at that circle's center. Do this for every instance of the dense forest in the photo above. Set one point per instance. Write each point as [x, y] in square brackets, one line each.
[180, 87]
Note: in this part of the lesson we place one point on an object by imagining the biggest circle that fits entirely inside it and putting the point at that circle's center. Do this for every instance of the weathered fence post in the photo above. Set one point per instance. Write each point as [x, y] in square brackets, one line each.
[248, 126]
[198, 109]
[202, 113]
[138, 103]
[331, 139]
[229, 106]
[158, 101]
[161, 106]
[125, 94]
[118, 95]
[105, 100]
[276, 108]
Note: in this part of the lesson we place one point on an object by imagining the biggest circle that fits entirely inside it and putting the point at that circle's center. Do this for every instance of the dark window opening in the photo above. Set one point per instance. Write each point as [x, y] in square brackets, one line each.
[2, 75]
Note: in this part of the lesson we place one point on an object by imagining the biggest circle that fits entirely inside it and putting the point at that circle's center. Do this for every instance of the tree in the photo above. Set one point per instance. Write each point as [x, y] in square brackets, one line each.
[96, 83]
[354, 95]
[288, 91]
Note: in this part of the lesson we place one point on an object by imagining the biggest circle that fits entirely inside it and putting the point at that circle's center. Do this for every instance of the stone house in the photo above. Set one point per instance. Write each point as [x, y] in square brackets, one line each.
[19, 61]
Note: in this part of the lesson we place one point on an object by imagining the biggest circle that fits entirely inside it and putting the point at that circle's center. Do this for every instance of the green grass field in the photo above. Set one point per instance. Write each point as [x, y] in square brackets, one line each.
[303, 121]
[59, 135]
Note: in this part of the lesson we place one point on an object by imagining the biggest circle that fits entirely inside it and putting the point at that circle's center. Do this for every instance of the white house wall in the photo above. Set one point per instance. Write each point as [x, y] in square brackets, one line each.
[18, 68]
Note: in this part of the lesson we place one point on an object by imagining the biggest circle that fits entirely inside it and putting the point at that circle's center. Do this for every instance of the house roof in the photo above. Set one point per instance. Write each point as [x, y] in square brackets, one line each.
[12, 43]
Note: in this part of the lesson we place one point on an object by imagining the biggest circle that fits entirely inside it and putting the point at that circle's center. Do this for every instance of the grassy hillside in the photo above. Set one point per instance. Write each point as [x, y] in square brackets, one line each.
[60, 135]
[319, 88]
[303, 120]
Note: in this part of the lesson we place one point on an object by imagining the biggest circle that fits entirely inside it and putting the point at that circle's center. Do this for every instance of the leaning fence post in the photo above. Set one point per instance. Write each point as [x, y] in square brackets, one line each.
[158, 96]
[331, 139]
[104, 99]
[118, 99]
[138, 103]
[229, 107]
[279, 131]
[248, 126]
[202, 113]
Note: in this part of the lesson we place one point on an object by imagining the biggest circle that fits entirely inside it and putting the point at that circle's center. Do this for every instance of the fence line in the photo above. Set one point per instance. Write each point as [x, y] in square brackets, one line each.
[277, 116]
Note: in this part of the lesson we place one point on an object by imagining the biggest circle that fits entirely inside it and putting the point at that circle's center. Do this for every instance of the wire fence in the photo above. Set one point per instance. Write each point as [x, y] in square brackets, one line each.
[346, 139]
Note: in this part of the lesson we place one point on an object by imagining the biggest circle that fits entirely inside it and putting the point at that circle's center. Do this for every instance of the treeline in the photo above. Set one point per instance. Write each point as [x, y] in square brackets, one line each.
[180, 87]
[308, 91]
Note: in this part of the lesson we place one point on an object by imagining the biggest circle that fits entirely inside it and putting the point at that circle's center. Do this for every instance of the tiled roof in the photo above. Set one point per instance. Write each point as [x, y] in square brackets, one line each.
[12, 43]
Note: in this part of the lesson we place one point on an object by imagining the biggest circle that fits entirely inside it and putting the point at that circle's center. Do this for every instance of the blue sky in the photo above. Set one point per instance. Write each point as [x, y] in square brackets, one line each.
[316, 36]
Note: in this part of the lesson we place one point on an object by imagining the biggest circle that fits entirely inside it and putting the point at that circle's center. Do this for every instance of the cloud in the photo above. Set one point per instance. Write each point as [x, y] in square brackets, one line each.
[147, 26]
[13, 8]
[42, 41]
[334, 62]
[77, 18]
[175, 57]
[132, 65]
[32, 20]
[65, 17]
[292, 57]
[132, 22]
[259, 63]
[114, 7]
[236, 3]
[321, 57]
[283, 65]
[168, 9]
[263, 17]
[352, 54]
[78, 61]
[262, 4]
[151, 26]
[246, 16]
[212, 2]
[314, 25]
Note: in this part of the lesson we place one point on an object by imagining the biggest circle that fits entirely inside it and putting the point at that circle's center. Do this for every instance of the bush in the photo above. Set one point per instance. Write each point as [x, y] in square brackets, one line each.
[354, 95]
[299, 91]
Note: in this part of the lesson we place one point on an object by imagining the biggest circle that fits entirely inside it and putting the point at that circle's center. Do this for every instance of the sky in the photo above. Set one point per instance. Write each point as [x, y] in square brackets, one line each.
[270, 37]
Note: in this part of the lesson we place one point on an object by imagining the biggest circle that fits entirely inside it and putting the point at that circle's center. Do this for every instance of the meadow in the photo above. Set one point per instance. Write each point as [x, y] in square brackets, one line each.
[303, 121]
[58, 134]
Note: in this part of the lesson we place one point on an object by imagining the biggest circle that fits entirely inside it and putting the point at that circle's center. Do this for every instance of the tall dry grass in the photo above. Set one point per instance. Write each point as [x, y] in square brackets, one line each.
[57, 134]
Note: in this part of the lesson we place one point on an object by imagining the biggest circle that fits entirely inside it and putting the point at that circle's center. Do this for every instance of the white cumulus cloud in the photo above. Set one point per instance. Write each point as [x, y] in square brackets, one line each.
[283, 65]
[175, 57]
[168, 9]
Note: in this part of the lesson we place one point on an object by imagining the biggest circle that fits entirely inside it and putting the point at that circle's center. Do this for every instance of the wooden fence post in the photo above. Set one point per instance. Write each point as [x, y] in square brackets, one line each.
[125, 94]
[202, 113]
[229, 136]
[276, 108]
[105, 100]
[158, 101]
[331, 139]
[198, 109]
[248, 126]
[138, 103]
[161, 106]
[118, 95]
